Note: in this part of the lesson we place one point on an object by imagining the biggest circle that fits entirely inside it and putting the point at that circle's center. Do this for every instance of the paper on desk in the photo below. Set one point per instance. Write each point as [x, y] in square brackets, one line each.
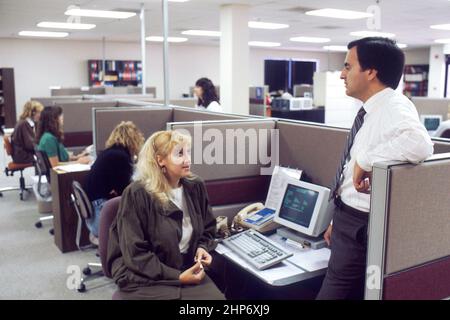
[75, 167]
[277, 183]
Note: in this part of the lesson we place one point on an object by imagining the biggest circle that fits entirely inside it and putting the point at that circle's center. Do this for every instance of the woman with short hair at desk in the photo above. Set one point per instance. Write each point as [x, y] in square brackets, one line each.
[112, 170]
[161, 238]
[50, 136]
[207, 96]
[24, 135]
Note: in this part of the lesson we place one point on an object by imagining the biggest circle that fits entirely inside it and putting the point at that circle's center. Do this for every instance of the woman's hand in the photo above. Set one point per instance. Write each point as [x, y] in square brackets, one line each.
[203, 256]
[193, 275]
[84, 160]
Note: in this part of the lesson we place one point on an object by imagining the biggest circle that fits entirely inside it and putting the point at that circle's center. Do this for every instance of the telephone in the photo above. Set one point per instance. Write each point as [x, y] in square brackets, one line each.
[255, 216]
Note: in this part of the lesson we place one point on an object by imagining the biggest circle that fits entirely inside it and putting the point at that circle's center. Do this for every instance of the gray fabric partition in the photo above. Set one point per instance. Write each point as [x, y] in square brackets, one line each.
[426, 105]
[78, 115]
[441, 145]
[316, 149]
[185, 114]
[51, 101]
[235, 169]
[148, 120]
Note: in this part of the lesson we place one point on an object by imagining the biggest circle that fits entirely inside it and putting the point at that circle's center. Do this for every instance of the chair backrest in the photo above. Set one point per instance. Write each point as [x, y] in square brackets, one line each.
[43, 165]
[107, 216]
[446, 134]
[82, 203]
[7, 145]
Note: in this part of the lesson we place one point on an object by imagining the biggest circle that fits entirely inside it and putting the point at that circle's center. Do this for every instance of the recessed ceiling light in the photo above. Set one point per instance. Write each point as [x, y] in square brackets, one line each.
[364, 34]
[263, 44]
[266, 25]
[169, 39]
[402, 45]
[100, 13]
[46, 34]
[178, 0]
[204, 33]
[441, 26]
[310, 39]
[336, 48]
[65, 25]
[339, 14]
[445, 41]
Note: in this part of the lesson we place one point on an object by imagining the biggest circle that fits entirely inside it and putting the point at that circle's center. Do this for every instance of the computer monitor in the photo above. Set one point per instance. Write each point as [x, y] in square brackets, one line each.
[431, 121]
[304, 208]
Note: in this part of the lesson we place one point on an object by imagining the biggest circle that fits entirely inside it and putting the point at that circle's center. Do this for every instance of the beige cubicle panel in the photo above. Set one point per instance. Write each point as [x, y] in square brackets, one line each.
[77, 91]
[441, 145]
[409, 230]
[434, 106]
[188, 114]
[53, 101]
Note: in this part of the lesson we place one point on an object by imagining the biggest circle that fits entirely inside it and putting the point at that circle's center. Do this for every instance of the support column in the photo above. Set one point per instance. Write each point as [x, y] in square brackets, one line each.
[143, 64]
[436, 76]
[234, 58]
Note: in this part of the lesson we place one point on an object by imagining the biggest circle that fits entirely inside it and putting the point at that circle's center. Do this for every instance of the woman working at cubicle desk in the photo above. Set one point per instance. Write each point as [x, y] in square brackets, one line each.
[164, 230]
[112, 170]
[50, 136]
[23, 138]
[207, 96]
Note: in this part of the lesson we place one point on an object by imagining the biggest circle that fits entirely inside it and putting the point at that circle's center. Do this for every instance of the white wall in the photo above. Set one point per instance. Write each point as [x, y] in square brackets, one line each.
[39, 64]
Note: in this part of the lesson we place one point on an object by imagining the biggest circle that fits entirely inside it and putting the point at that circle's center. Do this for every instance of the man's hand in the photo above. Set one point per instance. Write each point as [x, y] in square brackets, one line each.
[203, 256]
[327, 235]
[362, 180]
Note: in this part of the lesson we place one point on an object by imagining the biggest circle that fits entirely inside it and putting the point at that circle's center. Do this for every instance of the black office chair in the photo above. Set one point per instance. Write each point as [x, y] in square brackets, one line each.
[446, 134]
[84, 209]
[43, 168]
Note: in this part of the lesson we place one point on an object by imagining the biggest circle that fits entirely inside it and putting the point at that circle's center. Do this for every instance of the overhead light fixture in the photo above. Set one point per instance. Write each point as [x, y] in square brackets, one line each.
[364, 34]
[310, 39]
[169, 39]
[336, 48]
[339, 14]
[263, 44]
[402, 45]
[441, 26]
[204, 33]
[444, 41]
[46, 34]
[100, 13]
[65, 25]
[178, 0]
[267, 25]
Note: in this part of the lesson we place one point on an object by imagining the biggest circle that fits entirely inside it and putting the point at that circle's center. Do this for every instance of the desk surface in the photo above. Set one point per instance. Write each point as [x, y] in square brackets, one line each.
[304, 264]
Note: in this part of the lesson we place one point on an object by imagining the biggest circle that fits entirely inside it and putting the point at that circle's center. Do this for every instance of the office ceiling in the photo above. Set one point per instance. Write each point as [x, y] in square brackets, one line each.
[408, 19]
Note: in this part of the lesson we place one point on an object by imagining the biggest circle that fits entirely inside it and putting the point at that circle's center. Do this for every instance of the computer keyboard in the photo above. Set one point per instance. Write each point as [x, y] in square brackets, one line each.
[256, 249]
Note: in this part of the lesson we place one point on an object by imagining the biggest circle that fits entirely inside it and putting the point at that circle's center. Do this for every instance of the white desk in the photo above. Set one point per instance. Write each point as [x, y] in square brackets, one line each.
[304, 264]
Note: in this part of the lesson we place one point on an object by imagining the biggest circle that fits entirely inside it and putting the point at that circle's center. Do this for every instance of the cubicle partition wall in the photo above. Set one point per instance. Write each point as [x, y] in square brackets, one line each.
[181, 114]
[435, 106]
[409, 230]
[441, 145]
[53, 101]
[315, 149]
[77, 91]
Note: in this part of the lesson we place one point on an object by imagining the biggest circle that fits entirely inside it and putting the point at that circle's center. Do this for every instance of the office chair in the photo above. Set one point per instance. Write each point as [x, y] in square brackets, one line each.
[443, 131]
[43, 168]
[13, 167]
[107, 216]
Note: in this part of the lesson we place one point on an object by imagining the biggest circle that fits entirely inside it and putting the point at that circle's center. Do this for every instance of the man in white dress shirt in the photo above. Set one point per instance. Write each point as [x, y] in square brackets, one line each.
[386, 128]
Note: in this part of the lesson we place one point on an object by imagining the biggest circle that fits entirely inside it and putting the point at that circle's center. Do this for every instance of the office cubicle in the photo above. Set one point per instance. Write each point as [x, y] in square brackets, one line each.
[432, 106]
[77, 91]
[409, 230]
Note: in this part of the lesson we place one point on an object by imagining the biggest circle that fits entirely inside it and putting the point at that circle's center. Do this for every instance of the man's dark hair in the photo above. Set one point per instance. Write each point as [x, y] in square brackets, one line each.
[383, 55]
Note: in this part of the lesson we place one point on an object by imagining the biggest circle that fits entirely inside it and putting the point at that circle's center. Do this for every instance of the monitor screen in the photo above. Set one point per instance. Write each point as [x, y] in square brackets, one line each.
[298, 205]
[431, 123]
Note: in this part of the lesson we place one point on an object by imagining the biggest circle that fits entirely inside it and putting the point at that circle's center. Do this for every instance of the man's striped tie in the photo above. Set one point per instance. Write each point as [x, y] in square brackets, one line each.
[357, 124]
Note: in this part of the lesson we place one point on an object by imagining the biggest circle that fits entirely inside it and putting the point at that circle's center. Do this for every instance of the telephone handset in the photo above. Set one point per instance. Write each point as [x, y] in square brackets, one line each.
[255, 216]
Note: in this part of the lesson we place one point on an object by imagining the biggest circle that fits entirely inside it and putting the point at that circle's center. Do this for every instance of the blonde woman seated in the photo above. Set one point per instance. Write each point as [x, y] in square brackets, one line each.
[161, 238]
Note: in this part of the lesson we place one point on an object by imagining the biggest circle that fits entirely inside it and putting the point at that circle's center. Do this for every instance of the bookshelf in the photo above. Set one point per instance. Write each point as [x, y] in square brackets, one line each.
[415, 80]
[118, 73]
[7, 99]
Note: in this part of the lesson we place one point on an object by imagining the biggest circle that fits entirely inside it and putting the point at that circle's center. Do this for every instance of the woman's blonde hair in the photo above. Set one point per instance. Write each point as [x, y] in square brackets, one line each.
[30, 108]
[148, 171]
[126, 134]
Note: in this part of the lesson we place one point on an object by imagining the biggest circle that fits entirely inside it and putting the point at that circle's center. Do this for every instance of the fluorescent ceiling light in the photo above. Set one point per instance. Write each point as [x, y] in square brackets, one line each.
[100, 13]
[43, 34]
[65, 25]
[204, 33]
[442, 41]
[169, 39]
[441, 26]
[402, 45]
[339, 14]
[364, 34]
[266, 25]
[263, 44]
[310, 39]
[178, 0]
[336, 48]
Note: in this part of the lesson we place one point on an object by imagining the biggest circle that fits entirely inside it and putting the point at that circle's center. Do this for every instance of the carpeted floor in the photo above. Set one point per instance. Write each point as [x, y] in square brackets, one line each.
[31, 266]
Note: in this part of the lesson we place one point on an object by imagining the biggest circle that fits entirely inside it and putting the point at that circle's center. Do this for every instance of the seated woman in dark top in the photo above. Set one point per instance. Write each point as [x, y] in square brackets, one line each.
[160, 240]
[24, 135]
[50, 136]
[112, 170]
